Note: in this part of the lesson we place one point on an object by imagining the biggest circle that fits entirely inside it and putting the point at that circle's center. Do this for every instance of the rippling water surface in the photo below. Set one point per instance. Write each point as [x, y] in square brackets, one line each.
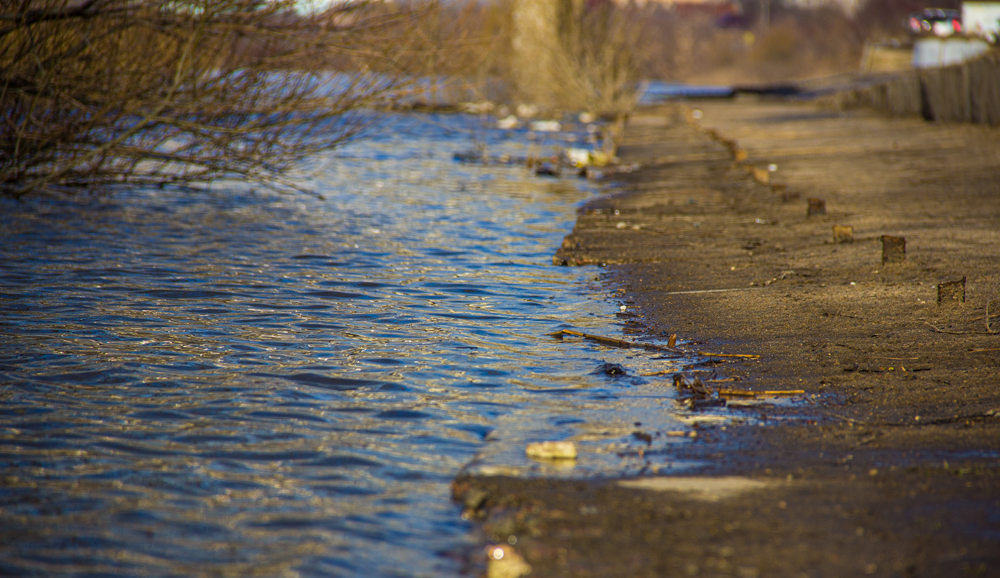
[242, 383]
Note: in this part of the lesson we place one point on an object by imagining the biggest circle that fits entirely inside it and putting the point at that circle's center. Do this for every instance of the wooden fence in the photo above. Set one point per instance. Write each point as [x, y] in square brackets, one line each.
[968, 92]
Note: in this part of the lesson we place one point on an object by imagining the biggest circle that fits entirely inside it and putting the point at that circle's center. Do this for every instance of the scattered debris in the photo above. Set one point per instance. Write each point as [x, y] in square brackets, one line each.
[615, 342]
[765, 393]
[577, 157]
[843, 233]
[611, 369]
[508, 123]
[761, 176]
[695, 404]
[504, 562]
[659, 373]
[864, 368]
[743, 355]
[695, 386]
[643, 437]
[548, 169]
[546, 126]
[704, 291]
[937, 329]
[551, 451]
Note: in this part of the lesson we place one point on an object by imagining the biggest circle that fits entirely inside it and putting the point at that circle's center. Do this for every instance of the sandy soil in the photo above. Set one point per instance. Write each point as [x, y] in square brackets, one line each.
[889, 464]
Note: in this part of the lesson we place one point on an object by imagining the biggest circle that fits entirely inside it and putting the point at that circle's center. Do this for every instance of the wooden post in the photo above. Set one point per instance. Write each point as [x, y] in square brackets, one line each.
[816, 207]
[893, 249]
[951, 292]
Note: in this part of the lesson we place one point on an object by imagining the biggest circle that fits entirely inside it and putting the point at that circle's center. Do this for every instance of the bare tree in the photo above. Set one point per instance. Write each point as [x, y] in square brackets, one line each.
[98, 92]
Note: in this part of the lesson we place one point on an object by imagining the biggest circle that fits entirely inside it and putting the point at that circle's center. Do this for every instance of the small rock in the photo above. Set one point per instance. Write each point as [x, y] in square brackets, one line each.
[611, 369]
[548, 170]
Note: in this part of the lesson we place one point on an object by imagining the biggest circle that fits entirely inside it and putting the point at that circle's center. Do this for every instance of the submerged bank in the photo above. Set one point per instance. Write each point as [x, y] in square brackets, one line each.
[889, 463]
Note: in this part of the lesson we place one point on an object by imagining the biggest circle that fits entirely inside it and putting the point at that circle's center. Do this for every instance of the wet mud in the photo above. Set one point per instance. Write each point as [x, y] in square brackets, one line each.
[759, 227]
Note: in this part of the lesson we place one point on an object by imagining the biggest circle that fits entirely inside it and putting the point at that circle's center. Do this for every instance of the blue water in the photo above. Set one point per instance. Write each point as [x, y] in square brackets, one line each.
[659, 91]
[236, 382]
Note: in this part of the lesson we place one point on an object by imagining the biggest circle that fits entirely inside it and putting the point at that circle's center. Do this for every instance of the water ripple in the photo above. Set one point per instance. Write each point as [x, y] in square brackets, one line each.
[241, 383]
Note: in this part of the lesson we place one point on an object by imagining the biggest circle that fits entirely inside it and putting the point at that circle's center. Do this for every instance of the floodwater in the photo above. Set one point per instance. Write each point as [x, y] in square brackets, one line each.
[236, 382]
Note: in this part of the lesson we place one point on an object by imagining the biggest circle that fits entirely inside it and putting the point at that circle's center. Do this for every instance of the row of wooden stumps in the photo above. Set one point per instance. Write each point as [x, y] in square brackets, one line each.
[893, 251]
[893, 248]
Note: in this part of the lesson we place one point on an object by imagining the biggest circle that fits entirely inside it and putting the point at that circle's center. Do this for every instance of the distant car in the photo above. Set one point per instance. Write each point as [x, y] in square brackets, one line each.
[936, 21]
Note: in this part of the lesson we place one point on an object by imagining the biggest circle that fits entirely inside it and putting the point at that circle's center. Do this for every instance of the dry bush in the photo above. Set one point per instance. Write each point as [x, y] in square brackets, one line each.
[99, 92]
[596, 66]
[462, 50]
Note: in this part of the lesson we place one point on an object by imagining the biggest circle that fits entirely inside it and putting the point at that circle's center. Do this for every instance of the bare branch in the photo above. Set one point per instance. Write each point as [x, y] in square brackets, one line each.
[107, 92]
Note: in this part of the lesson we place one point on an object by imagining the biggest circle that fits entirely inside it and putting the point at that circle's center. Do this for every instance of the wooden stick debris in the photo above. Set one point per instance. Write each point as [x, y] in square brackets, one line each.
[744, 355]
[706, 291]
[770, 392]
[615, 342]
[936, 329]
[659, 373]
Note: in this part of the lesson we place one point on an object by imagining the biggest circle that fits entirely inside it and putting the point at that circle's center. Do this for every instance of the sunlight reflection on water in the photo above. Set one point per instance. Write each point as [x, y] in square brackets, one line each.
[231, 382]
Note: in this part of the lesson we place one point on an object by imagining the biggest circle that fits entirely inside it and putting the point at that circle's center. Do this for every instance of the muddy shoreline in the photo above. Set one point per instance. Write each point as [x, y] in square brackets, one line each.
[888, 463]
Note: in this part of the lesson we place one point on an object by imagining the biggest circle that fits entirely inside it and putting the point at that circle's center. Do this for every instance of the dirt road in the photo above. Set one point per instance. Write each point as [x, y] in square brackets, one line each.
[889, 463]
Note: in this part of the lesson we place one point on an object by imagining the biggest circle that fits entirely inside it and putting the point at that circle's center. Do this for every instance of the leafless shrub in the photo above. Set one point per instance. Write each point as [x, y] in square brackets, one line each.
[573, 56]
[99, 92]
[597, 65]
